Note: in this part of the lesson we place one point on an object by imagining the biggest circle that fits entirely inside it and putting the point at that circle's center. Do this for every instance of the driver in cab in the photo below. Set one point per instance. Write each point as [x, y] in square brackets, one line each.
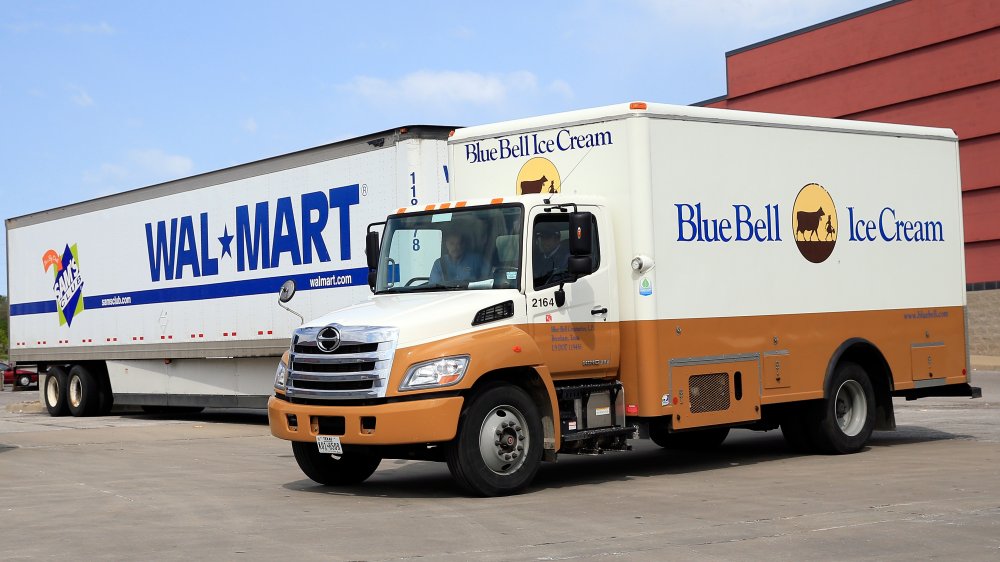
[457, 264]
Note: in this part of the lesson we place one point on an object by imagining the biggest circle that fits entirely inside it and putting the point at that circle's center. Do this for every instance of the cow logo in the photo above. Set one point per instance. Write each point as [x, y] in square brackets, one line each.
[328, 339]
[814, 220]
[68, 285]
[538, 175]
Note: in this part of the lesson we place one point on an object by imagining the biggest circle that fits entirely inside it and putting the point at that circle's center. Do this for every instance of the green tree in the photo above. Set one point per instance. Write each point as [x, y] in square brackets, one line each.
[4, 328]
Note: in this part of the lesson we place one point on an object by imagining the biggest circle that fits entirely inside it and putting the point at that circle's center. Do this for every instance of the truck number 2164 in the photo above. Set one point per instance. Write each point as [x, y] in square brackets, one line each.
[543, 302]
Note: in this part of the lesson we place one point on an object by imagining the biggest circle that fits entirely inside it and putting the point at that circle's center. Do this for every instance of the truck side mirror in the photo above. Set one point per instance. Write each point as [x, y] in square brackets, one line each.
[580, 234]
[371, 254]
[580, 261]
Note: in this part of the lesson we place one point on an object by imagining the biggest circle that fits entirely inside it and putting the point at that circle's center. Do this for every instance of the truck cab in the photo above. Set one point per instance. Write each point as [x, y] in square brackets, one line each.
[481, 309]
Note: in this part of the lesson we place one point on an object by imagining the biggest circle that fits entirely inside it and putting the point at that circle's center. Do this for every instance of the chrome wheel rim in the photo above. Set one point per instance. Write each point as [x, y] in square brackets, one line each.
[504, 440]
[52, 390]
[75, 392]
[851, 408]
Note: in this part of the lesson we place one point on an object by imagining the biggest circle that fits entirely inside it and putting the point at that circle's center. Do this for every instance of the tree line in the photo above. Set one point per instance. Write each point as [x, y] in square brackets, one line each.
[4, 327]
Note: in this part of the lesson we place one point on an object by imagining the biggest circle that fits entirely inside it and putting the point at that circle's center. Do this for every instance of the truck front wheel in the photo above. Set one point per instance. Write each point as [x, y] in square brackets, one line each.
[55, 392]
[498, 449]
[353, 467]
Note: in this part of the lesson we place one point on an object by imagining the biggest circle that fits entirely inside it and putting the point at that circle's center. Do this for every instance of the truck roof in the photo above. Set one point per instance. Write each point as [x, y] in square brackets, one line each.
[346, 147]
[691, 113]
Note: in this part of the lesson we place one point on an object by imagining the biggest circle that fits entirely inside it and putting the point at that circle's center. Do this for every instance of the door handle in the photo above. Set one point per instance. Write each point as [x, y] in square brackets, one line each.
[599, 310]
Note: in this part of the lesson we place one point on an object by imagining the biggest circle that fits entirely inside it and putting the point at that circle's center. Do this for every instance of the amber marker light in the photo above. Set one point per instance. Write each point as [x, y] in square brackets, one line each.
[637, 105]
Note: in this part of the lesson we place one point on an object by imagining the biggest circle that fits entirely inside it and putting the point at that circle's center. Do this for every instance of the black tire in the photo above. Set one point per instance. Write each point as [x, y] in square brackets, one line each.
[353, 467]
[107, 400]
[795, 428]
[54, 393]
[692, 440]
[796, 435]
[843, 422]
[83, 392]
[505, 421]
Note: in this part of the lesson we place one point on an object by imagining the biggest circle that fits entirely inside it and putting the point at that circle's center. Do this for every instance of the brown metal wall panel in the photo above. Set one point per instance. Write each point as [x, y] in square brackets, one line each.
[895, 29]
[981, 209]
[972, 112]
[944, 67]
[982, 261]
[980, 161]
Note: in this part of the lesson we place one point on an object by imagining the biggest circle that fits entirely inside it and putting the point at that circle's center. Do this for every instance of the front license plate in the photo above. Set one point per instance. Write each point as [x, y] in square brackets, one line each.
[329, 444]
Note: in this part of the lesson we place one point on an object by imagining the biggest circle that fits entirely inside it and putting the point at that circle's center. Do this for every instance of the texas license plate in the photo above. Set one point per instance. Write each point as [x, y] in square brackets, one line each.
[329, 445]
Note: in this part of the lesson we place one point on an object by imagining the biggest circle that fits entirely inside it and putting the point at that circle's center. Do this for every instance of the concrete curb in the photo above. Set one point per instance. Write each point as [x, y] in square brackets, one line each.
[26, 408]
[985, 362]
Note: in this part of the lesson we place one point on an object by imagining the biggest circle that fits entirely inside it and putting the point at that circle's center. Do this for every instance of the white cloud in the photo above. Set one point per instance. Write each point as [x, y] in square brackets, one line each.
[156, 161]
[452, 87]
[463, 33]
[747, 14]
[81, 97]
[140, 167]
[249, 125]
[100, 28]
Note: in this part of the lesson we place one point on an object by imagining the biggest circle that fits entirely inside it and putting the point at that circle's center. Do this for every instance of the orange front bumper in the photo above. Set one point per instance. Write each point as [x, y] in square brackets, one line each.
[431, 420]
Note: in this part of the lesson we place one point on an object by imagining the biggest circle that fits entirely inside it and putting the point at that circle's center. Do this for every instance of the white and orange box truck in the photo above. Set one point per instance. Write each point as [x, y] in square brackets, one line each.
[641, 270]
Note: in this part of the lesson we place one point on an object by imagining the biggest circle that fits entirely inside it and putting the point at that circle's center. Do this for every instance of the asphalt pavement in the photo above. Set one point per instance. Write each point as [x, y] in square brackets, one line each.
[218, 486]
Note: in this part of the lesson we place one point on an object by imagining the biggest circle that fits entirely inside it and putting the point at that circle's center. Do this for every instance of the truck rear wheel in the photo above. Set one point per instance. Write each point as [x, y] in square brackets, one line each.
[83, 392]
[498, 449]
[353, 467]
[693, 440]
[55, 392]
[844, 421]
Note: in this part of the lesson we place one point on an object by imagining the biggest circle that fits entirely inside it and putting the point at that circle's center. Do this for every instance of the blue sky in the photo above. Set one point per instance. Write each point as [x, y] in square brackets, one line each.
[103, 97]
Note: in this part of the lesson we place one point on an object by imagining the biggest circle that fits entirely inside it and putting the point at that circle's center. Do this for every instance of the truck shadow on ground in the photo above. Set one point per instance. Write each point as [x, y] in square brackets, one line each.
[432, 480]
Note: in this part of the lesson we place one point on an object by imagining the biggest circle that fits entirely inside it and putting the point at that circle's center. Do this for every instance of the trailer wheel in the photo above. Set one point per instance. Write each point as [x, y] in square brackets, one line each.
[55, 392]
[844, 421]
[353, 467]
[498, 449]
[693, 440]
[83, 392]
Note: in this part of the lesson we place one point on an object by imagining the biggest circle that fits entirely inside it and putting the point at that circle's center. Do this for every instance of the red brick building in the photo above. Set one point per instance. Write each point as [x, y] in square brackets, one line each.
[920, 62]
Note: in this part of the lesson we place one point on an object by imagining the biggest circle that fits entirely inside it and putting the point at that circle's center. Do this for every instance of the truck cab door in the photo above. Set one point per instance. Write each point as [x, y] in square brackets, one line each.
[579, 338]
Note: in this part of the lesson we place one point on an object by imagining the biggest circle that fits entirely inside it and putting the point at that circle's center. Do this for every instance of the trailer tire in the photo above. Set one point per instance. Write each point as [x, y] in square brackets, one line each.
[83, 392]
[693, 440]
[844, 421]
[353, 467]
[498, 449]
[55, 392]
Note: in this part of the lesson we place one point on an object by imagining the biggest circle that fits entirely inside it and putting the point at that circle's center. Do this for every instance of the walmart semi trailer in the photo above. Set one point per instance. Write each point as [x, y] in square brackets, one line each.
[165, 295]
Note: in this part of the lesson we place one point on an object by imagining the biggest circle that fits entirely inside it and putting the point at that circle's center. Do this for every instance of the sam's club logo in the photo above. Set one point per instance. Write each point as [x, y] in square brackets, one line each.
[68, 286]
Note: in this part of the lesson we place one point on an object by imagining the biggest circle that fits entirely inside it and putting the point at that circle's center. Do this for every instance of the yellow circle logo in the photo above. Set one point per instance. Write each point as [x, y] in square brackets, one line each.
[538, 175]
[814, 218]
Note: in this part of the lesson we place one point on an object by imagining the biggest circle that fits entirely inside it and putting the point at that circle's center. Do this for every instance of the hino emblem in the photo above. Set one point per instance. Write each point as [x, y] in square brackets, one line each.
[328, 339]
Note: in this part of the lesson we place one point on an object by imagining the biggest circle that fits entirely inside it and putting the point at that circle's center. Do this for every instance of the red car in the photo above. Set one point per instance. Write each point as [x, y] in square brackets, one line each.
[24, 378]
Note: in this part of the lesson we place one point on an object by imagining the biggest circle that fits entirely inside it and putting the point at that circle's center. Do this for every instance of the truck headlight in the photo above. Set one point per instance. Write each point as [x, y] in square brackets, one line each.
[437, 373]
[281, 375]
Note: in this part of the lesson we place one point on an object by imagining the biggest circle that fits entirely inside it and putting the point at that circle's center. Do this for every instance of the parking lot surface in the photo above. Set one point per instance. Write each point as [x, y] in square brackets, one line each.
[218, 486]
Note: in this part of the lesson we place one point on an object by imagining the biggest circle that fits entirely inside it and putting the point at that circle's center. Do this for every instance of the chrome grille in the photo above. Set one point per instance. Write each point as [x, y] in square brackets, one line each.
[709, 393]
[358, 369]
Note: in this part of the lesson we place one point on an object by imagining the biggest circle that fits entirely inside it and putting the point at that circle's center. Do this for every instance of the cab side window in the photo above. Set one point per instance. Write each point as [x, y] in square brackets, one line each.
[550, 250]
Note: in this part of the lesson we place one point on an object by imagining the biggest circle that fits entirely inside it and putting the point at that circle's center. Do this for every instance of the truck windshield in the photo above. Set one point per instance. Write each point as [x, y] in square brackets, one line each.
[467, 248]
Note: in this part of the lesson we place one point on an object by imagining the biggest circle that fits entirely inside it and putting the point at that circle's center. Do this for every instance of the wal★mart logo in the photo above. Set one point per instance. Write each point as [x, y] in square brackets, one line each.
[68, 285]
